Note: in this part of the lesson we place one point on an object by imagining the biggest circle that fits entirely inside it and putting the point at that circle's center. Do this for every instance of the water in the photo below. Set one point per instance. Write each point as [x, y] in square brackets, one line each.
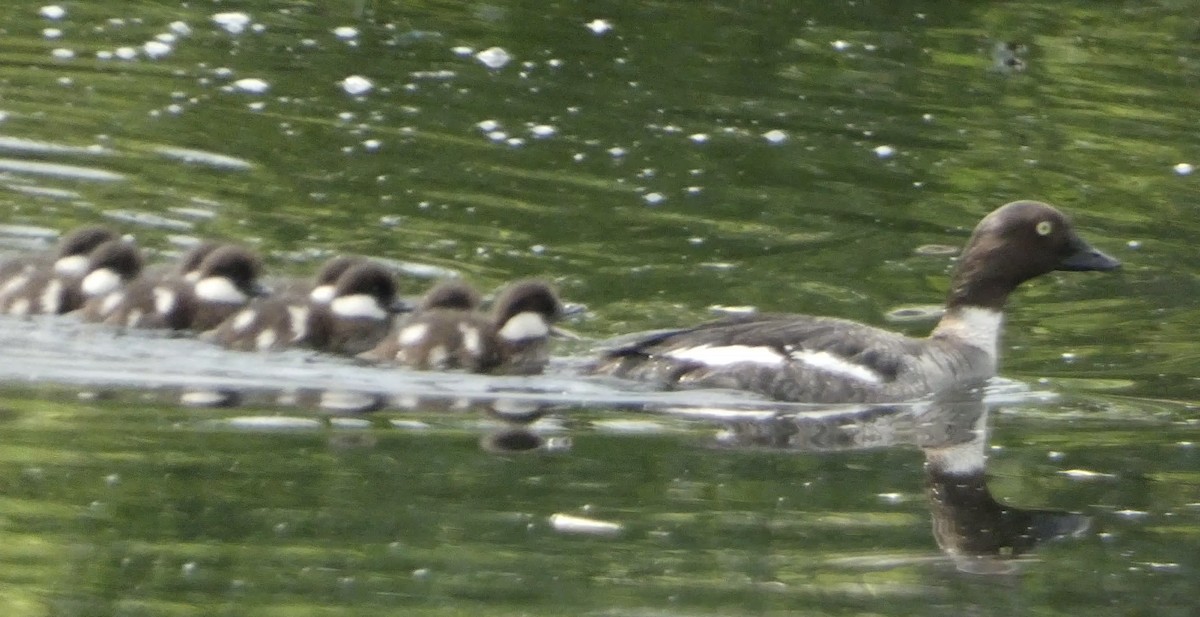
[655, 161]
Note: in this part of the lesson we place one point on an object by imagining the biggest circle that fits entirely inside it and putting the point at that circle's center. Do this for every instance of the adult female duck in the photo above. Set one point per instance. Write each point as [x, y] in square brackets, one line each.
[827, 360]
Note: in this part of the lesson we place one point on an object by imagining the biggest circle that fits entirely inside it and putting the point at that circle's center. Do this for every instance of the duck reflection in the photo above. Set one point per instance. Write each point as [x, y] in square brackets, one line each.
[510, 426]
[980, 534]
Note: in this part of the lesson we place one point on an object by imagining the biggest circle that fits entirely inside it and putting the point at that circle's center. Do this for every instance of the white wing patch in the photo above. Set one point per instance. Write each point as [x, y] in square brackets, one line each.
[111, 302]
[13, 284]
[20, 306]
[837, 365]
[438, 357]
[265, 339]
[412, 335]
[71, 265]
[164, 300]
[360, 306]
[472, 341]
[51, 297]
[523, 326]
[243, 320]
[299, 318]
[99, 282]
[221, 290]
[724, 355]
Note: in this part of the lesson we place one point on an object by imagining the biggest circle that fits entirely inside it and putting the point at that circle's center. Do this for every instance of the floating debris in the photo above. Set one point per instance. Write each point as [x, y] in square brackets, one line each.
[210, 398]
[566, 523]
[355, 85]
[599, 26]
[1083, 474]
[52, 11]
[232, 22]
[655, 198]
[273, 423]
[494, 57]
[156, 49]
[1006, 57]
[775, 136]
[252, 85]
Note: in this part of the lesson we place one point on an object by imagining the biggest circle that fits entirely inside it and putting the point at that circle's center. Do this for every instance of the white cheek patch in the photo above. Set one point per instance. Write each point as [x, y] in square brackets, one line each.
[471, 339]
[723, 355]
[265, 339]
[837, 365]
[523, 326]
[99, 282]
[299, 318]
[321, 294]
[51, 297]
[412, 335]
[164, 300]
[243, 320]
[358, 306]
[71, 265]
[221, 290]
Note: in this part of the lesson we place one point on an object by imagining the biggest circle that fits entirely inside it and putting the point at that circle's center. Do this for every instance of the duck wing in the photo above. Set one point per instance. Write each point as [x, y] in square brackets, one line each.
[787, 357]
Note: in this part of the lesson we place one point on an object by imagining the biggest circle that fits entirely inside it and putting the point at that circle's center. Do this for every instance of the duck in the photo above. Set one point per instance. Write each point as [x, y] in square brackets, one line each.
[355, 316]
[70, 258]
[448, 331]
[224, 281]
[320, 288]
[55, 290]
[802, 358]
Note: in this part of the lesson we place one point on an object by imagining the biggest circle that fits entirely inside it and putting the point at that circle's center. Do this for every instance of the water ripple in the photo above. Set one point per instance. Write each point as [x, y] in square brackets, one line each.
[59, 170]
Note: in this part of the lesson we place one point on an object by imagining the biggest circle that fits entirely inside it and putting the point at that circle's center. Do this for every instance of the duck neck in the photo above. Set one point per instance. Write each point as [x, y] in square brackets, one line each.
[977, 326]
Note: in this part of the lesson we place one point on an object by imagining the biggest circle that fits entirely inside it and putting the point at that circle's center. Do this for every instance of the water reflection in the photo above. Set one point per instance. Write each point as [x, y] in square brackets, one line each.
[980, 534]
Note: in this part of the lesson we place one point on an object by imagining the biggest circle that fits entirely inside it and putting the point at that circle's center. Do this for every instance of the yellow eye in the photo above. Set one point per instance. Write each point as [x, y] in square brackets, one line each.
[1044, 228]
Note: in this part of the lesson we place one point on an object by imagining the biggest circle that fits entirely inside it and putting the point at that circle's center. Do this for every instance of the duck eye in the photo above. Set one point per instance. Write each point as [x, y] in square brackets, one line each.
[1044, 228]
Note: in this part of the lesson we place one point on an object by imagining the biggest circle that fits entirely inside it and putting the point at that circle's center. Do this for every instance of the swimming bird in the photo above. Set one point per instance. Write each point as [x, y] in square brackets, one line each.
[827, 360]
[225, 280]
[354, 318]
[52, 290]
[69, 258]
[448, 331]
